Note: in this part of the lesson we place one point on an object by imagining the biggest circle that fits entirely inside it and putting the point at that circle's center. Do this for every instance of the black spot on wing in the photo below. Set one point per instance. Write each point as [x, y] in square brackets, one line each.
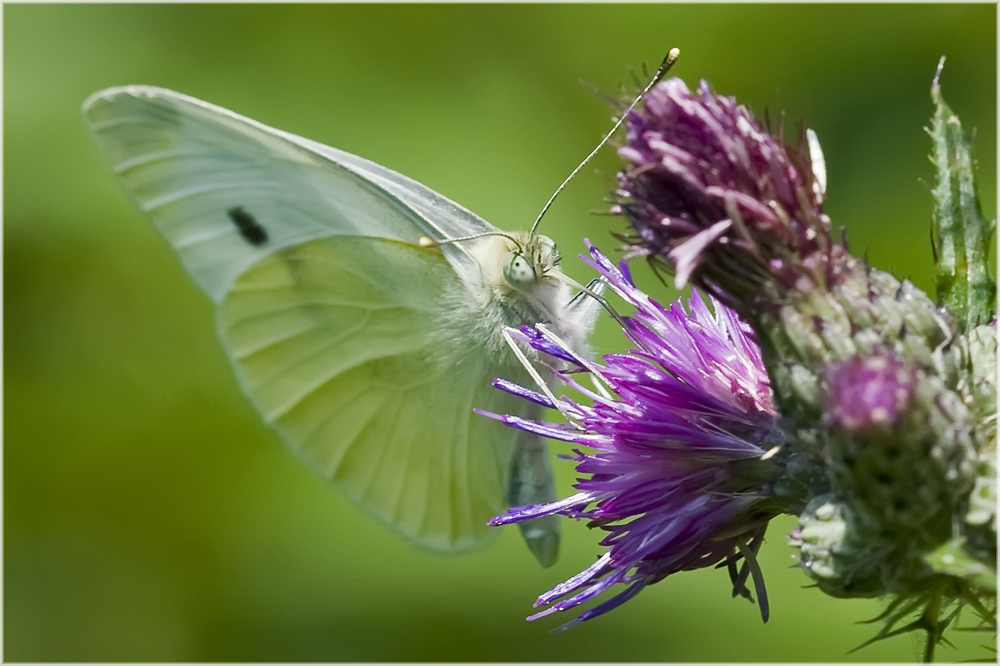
[248, 227]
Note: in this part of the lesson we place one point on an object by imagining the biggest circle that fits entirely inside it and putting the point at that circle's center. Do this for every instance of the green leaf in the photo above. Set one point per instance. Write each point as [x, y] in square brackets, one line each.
[960, 234]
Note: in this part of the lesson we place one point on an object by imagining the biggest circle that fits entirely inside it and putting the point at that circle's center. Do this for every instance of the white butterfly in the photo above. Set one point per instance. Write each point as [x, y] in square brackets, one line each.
[365, 350]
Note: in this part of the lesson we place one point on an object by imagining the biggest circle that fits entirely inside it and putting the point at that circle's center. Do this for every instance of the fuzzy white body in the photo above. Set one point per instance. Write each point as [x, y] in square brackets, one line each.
[498, 303]
[520, 283]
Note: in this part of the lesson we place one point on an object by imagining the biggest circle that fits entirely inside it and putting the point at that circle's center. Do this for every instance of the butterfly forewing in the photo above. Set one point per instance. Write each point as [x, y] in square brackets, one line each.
[189, 164]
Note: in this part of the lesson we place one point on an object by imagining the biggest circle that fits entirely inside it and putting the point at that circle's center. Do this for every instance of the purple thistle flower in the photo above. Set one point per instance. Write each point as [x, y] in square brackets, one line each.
[889, 419]
[678, 431]
[721, 200]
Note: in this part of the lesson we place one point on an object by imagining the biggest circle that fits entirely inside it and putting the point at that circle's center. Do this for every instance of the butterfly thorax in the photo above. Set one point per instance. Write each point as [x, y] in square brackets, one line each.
[519, 283]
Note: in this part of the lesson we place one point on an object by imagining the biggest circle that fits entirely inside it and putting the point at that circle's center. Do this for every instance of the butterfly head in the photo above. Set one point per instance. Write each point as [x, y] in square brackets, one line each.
[520, 275]
[530, 258]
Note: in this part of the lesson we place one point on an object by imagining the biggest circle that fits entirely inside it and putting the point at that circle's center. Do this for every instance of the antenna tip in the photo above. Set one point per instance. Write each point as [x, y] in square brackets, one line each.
[427, 241]
[668, 62]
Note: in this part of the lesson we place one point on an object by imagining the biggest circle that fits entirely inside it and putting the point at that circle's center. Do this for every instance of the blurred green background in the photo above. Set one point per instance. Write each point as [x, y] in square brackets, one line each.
[148, 515]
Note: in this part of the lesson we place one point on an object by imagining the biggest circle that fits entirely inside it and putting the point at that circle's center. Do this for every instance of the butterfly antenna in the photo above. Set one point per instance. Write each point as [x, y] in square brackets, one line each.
[668, 62]
[427, 241]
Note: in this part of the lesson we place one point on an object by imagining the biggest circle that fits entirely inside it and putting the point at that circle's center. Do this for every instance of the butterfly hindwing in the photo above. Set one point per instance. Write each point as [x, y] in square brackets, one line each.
[335, 342]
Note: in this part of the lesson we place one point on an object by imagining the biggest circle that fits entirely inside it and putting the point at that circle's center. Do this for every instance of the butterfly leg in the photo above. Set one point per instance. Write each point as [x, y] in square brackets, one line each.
[582, 310]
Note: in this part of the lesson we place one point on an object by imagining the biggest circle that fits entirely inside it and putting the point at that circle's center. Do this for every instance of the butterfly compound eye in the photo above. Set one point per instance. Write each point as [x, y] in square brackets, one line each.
[517, 270]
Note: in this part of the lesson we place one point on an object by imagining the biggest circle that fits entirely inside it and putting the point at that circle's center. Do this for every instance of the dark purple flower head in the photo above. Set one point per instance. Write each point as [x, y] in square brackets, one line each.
[724, 202]
[675, 435]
